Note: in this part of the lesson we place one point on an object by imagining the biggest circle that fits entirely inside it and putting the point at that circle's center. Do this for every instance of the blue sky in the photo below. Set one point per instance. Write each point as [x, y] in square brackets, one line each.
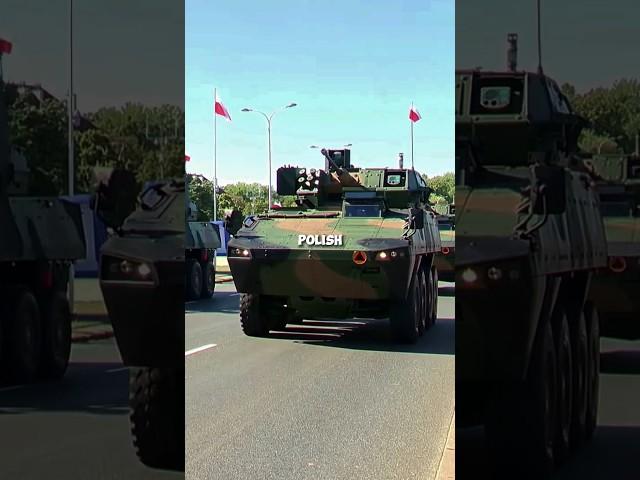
[123, 50]
[588, 43]
[353, 68]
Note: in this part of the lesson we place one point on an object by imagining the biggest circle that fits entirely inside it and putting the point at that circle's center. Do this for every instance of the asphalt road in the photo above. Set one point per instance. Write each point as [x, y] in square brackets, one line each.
[614, 451]
[326, 400]
[76, 428]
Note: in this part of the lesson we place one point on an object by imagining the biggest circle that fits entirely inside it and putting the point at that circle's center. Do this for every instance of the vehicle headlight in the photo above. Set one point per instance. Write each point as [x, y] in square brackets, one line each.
[124, 270]
[239, 252]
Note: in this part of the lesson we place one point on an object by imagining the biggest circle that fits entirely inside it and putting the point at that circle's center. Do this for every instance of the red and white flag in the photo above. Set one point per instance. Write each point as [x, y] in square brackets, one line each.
[414, 115]
[5, 46]
[221, 110]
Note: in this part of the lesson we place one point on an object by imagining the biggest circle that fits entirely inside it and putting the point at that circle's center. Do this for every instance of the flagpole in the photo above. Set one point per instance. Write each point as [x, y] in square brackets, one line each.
[411, 122]
[215, 153]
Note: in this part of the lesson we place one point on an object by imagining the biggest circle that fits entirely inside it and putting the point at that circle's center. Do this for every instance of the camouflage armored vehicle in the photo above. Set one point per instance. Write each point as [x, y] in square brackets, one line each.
[615, 290]
[445, 260]
[202, 240]
[39, 239]
[360, 243]
[142, 281]
[529, 239]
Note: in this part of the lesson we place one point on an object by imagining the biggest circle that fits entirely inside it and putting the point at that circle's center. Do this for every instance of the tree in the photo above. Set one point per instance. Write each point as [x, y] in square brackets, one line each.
[148, 141]
[443, 186]
[613, 113]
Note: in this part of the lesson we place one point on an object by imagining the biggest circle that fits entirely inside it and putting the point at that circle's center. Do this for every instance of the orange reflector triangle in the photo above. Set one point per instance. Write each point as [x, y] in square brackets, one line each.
[359, 258]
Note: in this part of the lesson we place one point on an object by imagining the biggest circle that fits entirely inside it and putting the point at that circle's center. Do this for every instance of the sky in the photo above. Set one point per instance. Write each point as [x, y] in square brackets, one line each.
[588, 43]
[353, 67]
[124, 51]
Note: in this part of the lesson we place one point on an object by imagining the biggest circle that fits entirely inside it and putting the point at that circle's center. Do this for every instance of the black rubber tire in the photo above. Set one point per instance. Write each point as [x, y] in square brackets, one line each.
[425, 302]
[564, 398]
[521, 423]
[23, 337]
[404, 315]
[208, 280]
[156, 398]
[193, 282]
[593, 379]
[434, 285]
[252, 319]
[56, 337]
[579, 345]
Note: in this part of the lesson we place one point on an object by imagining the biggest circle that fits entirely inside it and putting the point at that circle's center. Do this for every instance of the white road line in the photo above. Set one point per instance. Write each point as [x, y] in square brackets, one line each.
[199, 349]
[115, 370]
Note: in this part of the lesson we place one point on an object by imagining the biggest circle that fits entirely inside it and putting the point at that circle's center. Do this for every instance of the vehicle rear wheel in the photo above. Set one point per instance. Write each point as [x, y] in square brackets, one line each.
[208, 280]
[579, 346]
[252, 318]
[193, 282]
[425, 303]
[404, 315]
[23, 336]
[521, 418]
[593, 378]
[156, 397]
[564, 388]
[56, 341]
[434, 286]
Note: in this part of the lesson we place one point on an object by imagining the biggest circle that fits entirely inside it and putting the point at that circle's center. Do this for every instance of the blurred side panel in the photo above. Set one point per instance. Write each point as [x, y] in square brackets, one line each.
[92, 204]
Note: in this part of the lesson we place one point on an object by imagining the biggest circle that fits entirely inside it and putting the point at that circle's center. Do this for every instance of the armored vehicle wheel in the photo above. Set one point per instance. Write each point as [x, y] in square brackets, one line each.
[521, 422]
[156, 397]
[56, 338]
[252, 318]
[405, 315]
[23, 336]
[579, 346]
[208, 280]
[434, 286]
[593, 369]
[193, 282]
[425, 303]
[564, 387]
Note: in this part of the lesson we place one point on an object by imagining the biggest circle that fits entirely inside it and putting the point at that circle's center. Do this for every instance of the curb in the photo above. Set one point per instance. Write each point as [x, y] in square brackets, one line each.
[224, 280]
[447, 465]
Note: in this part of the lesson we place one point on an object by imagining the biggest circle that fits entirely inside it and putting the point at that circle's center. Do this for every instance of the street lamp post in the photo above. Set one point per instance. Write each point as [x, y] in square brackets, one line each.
[268, 118]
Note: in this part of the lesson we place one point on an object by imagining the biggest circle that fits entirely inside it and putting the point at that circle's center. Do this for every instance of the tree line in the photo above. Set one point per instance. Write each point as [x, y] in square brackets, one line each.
[252, 198]
[613, 114]
[148, 141]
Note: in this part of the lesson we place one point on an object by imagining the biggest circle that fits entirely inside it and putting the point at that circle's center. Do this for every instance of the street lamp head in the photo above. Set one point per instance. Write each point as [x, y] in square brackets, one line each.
[291, 105]
[314, 146]
[246, 110]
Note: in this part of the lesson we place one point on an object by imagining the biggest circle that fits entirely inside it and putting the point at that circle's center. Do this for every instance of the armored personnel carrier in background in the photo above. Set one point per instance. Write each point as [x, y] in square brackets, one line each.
[142, 280]
[202, 241]
[529, 238]
[445, 260]
[359, 243]
[616, 289]
[39, 239]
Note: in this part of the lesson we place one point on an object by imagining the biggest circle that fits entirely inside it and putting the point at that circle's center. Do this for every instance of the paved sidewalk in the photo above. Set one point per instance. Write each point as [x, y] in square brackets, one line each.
[91, 321]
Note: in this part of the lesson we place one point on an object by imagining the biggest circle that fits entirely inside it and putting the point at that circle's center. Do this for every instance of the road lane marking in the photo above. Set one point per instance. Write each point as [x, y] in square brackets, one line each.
[115, 370]
[199, 349]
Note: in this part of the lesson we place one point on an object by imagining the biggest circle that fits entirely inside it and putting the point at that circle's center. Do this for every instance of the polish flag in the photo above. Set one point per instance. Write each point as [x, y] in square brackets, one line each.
[5, 46]
[221, 110]
[414, 116]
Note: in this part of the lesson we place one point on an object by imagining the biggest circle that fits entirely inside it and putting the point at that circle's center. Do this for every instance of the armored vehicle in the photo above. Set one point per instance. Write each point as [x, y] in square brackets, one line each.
[445, 259]
[142, 281]
[202, 240]
[615, 289]
[529, 239]
[359, 243]
[39, 239]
